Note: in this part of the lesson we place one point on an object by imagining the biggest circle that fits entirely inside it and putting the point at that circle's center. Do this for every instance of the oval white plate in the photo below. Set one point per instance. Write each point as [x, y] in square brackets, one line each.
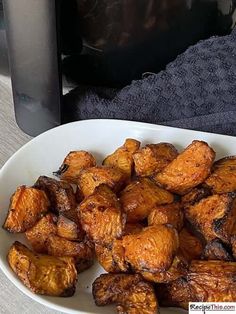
[45, 153]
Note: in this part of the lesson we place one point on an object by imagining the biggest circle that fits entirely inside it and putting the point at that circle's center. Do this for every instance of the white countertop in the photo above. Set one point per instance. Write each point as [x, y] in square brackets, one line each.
[12, 301]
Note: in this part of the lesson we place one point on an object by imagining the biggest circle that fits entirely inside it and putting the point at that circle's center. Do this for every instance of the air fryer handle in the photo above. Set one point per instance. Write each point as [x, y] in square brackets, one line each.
[34, 57]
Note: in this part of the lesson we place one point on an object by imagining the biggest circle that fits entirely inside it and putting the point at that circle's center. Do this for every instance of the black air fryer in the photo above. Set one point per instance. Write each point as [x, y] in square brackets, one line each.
[59, 43]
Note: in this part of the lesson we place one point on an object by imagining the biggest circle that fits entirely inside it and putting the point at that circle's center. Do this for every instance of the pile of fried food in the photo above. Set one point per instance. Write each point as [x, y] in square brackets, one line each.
[162, 224]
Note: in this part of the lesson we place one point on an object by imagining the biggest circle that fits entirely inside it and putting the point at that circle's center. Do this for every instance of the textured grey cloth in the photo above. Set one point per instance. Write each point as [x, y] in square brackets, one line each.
[196, 91]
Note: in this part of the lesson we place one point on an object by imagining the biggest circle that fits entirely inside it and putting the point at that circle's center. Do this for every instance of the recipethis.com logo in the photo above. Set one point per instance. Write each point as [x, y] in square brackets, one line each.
[216, 307]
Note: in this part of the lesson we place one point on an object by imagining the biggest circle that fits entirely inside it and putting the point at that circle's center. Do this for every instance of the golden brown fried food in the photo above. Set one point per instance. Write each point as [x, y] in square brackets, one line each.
[189, 169]
[60, 194]
[175, 294]
[132, 228]
[177, 270]
[43, 274]
[215, 250]
[153, 158]
[105, 259]
[139, 197]
[82, 252]
[27, 206]
[39, 233]
[68, 229]
[90, 178]
[190, 246]
[104, 254]
[212, 281]
[223, 177]
[152, 250]
[130, 292]
[101, 217]
[122, 158]
[167, 214]
[73, 163]
[214, 216]
[194, 196]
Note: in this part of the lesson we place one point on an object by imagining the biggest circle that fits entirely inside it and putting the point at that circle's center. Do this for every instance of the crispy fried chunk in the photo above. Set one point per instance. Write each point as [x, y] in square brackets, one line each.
[122, 158]
[213, 216]
[73, 163]
[60, 194]
[90, 178]
[212, 281]
[188, 169]
[223, 177]
[104, 254]
[27, 206]
[207, 281]
[153, 158]
[167, 214]
[190, 246]
[139, 197]
[39, 233]
[152, 250]
[130, 292]
[175, 294]
[68, 229]
[83, 252]
[215, 250]
[43, 274]
[101, 217]
[177, 270]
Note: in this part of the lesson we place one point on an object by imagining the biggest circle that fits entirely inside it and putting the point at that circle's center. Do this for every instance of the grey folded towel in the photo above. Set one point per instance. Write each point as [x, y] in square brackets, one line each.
[196, 91]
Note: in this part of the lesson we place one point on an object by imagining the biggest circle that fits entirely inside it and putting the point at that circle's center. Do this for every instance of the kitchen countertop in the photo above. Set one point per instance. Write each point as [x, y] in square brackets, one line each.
[11, 139]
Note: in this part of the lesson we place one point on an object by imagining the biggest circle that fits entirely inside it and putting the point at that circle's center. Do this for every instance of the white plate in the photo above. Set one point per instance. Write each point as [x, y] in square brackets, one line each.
[45, 153]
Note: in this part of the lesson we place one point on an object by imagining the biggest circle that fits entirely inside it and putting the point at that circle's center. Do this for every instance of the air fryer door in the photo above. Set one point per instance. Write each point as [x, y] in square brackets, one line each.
[31, 28]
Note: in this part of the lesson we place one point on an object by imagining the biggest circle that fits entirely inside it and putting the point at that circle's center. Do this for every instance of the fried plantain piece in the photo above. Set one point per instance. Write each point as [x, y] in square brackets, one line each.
[153, 158]
[152, 250]
[74, 162]
[68, 229]
[190, 246]
[43, 274]
[101, 217]
[82, 252]
[212, 281]
[214, 216]
[177, 270]
[140, 196]
[90, 178]
[188, 169]
[122, 158]
[167, 214]
[194, 196]
[215, 250]
[105, 259]
[223, 176]
[27, 206]
[130, 292]
[132, 228]
[39, 233]
[175, 294]
[60, 194]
